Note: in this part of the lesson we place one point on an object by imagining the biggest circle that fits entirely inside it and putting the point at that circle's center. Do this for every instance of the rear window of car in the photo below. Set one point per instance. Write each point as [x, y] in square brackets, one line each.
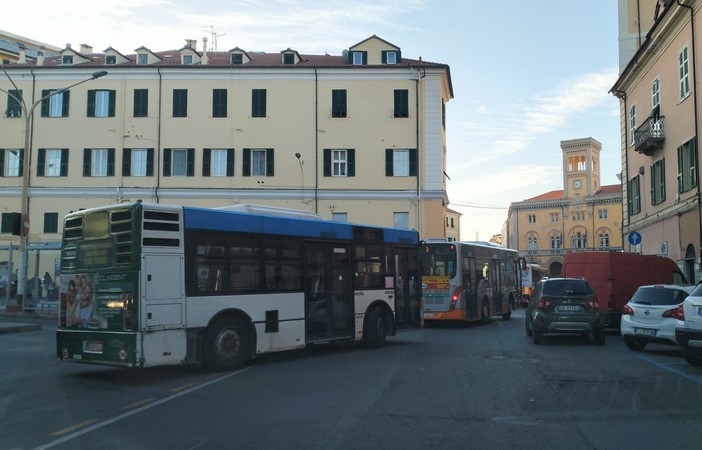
[658, 296]
[567, 287]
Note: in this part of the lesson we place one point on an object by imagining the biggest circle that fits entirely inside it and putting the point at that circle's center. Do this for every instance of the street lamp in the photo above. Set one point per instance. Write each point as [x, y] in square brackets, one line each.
[26, 159]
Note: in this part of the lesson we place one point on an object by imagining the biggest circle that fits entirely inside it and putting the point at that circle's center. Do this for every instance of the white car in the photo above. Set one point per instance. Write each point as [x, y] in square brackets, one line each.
[652, 315]
[689, 332]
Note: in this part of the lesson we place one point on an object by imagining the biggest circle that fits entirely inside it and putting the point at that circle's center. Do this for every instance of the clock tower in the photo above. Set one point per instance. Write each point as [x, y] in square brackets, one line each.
[581, 167]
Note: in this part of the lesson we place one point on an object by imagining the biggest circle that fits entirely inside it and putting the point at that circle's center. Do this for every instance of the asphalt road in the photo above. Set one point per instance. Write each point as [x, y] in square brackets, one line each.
[475, 386]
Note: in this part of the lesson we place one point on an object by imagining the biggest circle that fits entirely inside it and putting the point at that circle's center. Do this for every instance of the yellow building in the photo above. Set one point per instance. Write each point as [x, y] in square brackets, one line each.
[584, 215]
[15, 48]
[359, 136]
[659, 123]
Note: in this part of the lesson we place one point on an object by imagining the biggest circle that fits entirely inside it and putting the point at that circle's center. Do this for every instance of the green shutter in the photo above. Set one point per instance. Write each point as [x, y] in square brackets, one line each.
[110, 162]
[190, 170]
[206, 156]
[87, 160]
[166, 162]
[351, 162]
[269, 162]
[246, 163]
[41, 161]
[327, 162]
[126, 162]
[230, 162]
[91, 103]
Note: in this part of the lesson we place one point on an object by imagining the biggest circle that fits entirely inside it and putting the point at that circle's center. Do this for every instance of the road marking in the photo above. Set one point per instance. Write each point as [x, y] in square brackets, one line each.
[134, 405]
[107, 422]
[695, 378]
[74, 427]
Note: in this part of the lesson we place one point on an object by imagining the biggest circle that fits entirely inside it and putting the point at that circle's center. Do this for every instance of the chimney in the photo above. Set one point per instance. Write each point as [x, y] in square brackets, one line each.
[192, 43]
[22, 59]
[205, 59]
[86, 49]
[68, 45]
[40, 56]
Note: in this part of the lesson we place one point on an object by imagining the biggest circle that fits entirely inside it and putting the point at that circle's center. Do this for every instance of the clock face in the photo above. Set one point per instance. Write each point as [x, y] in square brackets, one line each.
[577, 184]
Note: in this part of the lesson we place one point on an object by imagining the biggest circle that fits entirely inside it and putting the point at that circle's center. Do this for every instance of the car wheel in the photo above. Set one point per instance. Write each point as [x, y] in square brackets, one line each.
[692, 357]
[634, 344]
[536, 335]
[526, 326]
[600, 337]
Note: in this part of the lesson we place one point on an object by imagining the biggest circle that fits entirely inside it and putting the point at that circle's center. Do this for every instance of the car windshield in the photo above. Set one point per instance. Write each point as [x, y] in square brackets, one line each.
[658, 296]
[567, 287]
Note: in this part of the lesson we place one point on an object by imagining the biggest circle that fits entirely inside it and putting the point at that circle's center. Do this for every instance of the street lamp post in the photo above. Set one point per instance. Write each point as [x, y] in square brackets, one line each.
[26, 159]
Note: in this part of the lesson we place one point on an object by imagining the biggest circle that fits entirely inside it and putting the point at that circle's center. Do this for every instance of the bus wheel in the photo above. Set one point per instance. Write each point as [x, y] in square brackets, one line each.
[485, 312]
[375, 328]
[227, 344]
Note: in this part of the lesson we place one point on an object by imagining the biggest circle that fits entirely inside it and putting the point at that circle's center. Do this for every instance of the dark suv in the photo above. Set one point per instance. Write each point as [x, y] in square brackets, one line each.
[564, 305]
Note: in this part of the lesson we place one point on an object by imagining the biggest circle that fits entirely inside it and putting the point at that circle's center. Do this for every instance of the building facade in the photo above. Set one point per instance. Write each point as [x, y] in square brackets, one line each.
[358, 137]
[20, 49]
[584, 215]
[659, 123]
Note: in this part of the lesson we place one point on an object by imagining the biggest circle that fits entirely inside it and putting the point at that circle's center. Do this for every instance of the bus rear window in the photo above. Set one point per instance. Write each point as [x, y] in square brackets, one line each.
[439, 260]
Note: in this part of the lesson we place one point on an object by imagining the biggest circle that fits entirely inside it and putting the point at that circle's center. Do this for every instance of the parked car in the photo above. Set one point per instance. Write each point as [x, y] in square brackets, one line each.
[689, 332]
[564, 305]
[651, 315]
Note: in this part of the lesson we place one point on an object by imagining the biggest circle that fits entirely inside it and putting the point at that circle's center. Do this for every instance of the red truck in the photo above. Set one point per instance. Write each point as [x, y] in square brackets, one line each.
[615, 276]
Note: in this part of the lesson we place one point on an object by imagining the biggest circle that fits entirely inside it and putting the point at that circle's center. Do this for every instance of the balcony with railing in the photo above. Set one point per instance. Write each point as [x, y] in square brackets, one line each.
[649, 136]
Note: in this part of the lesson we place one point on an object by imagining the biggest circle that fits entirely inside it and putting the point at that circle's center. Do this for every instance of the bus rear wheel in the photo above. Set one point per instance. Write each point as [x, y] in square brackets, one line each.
[375, 328]
[485, 311]
[226, 344]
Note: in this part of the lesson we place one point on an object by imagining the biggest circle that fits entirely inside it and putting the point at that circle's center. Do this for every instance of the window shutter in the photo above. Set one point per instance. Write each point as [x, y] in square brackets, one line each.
[87, 160]
[64, 162]
[351, 162]
[246, 163]
[126, 162]
[111, 105]
[64, 110]
[166, 162]
[206, 155]
[45, 103]
[269, 162]
[327, 162]
[91, 104]
[2, 162]
[21, 162]
[365, 58]
[413, 166]
[41, 160]
[110, 162]
[230, 162]
[149, 162]
[388, 162]
[191, 162]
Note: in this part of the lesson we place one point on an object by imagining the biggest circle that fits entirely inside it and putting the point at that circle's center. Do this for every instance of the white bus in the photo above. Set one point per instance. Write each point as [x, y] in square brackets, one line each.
[468, 281]
[151, 284]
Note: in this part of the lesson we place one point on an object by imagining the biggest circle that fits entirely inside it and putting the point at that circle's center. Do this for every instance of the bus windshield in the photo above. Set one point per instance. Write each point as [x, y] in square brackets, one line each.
[439, 260]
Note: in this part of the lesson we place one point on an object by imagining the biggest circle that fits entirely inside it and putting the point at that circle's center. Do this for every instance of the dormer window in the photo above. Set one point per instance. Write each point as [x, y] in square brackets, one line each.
[187, 59]
[237, 58]
[359, 58]
[67, 59]
[110, 59]
[288, 58]
[391, 58]
[142, 58]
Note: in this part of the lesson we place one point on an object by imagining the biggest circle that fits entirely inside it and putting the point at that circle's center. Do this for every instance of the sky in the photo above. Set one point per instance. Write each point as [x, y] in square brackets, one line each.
[526, 74]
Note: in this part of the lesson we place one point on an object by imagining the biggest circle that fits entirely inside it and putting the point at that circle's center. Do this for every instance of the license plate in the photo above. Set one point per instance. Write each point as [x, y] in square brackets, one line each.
[644, 332]
[92, 347]
[429, 315]
[569, 308]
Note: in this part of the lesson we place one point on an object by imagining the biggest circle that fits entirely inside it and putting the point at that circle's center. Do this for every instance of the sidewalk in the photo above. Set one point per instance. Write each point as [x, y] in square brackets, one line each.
[12, 322]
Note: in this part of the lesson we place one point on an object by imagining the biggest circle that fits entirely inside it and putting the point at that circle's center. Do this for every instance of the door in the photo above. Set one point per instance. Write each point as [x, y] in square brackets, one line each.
[407, 305]
[328, 295]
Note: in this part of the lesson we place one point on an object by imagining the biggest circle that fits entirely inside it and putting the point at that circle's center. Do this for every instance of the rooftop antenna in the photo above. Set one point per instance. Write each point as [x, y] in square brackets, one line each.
[213, 35]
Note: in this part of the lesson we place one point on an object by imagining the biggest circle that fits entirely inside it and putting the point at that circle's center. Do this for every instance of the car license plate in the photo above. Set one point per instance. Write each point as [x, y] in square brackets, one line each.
[569, 308]
[92, 347]
[429, 315]
[644, 332]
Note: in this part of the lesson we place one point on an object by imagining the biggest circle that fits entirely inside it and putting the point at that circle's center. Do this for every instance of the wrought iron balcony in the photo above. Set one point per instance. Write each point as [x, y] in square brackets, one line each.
[649, 137]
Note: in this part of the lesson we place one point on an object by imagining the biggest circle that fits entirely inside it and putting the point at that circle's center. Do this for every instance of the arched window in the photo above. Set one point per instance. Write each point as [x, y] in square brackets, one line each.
[532, 243]
[581, 163]
[604, 240]
[579, 240]
[555, 241]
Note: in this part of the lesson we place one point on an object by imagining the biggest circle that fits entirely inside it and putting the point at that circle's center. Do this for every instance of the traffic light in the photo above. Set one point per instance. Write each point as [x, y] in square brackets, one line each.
[16, 224]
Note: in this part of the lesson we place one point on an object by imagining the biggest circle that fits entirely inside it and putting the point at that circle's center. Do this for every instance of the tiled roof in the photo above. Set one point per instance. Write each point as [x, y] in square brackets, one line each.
[555, 195]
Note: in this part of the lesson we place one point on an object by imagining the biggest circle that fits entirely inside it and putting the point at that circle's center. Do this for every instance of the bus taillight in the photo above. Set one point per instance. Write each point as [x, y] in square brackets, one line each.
[454, 298]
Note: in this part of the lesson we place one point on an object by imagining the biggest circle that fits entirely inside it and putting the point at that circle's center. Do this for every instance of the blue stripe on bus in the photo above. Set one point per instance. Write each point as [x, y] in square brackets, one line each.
[206, 219]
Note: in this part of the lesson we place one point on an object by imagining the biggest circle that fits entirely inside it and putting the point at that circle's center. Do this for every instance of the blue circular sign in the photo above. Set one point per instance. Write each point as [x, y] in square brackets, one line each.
[635, 238]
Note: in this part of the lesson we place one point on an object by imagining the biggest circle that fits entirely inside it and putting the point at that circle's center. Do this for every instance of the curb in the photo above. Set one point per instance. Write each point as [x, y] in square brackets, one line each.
[11, 327]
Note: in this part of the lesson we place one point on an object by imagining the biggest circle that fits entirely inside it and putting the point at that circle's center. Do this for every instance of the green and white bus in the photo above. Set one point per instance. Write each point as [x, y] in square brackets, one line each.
[151, 284]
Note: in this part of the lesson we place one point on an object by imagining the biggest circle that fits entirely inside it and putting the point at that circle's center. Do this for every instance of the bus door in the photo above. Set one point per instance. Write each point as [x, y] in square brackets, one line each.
[328, 294]
[470, 287]
[407, 306]
[496, 281]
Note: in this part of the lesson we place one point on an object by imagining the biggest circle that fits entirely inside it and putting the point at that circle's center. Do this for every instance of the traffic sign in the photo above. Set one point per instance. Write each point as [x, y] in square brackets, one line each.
[635, 238]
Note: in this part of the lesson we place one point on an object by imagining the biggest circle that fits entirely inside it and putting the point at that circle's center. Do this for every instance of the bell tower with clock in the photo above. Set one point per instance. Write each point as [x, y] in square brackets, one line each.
[581, 167]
